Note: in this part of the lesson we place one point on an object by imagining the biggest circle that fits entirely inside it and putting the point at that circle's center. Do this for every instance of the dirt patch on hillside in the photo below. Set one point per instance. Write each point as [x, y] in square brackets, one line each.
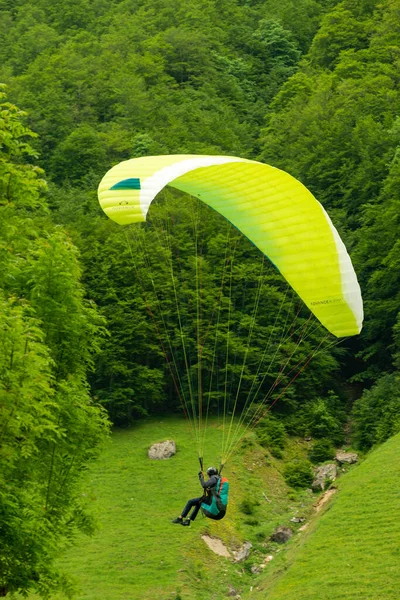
[324, 499]
[216, 545]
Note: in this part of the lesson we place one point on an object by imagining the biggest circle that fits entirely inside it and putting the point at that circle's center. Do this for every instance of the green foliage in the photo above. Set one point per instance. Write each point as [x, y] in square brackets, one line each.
[275, 53]
[20, 183]
[187, 82]
[186, 85]
[340, 30]
[28, 420]
[272, 434]
[298, 473]
[322, 418]
[49, 426]
[72, 326]
[376, 415]
[80, 153]
[248, 506]
[321, 451]
[301, 18]
[377, 256]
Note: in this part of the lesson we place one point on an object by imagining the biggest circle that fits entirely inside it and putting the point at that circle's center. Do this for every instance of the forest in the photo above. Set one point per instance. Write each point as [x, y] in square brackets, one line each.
[308, 86]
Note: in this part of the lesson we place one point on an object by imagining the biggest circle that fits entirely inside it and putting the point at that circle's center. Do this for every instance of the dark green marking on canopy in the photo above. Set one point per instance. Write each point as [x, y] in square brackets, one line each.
[127, 184]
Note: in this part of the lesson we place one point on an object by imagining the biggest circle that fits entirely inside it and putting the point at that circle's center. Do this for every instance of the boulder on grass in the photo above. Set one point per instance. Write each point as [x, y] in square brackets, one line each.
[324, 474]
[281, 534]
[346, 457]
[162, 450]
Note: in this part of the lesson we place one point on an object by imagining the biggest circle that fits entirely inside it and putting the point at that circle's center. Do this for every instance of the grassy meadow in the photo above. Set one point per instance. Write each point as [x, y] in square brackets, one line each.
[137, 553]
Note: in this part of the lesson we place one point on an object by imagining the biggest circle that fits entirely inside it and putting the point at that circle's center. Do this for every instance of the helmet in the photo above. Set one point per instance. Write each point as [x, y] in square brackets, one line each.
[212, 471]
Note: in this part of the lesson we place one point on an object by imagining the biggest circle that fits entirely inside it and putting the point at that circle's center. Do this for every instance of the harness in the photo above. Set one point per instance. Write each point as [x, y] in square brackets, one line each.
[215, 504]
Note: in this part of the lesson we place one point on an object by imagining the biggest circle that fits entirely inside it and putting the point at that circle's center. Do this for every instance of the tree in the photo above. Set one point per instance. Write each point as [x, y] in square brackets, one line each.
[72, 326]
[377, 413]
[340, 30]
[49, 426]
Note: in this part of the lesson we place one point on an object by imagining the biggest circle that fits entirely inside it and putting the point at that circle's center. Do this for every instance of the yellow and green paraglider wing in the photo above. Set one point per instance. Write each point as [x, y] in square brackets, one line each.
[270, 207]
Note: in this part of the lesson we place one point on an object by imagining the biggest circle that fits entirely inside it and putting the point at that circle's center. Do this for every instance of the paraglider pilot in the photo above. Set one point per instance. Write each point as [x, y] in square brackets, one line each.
[210, 489]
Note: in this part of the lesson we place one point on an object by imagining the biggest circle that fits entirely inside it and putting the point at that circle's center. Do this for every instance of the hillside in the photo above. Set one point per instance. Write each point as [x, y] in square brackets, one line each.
[348, 550]
[137, 553]
[352, 551]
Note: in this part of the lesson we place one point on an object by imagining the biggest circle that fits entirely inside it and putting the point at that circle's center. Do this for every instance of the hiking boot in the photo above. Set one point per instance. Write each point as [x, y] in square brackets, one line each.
[186, 522]
[177, 520]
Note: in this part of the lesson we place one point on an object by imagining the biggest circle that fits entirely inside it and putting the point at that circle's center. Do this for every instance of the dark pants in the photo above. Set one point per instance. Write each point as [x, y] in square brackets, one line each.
[194, 503]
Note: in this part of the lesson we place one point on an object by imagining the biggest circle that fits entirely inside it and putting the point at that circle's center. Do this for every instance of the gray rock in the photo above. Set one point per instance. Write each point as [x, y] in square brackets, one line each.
[243, 552]
[255, 569]
[297, 519]
[324, 474]
[346, 457]
[162, 450]
[281, 534]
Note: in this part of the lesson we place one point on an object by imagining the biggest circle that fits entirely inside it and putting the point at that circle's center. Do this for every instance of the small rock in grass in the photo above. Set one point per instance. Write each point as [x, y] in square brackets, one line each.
[232, 591]
[243, 552]
[281, 534]
[268, 558]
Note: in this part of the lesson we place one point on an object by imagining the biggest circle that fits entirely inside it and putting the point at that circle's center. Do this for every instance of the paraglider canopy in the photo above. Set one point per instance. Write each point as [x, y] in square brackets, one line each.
[270, 207]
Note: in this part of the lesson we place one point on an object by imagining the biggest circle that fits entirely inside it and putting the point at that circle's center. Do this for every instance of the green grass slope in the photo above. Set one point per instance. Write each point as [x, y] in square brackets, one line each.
[353, 550]
[137, 553]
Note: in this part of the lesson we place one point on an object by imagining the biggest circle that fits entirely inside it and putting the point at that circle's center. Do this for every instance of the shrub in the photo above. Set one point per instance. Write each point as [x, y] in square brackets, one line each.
[321, 418]
[248, 441]
[376, 415]
[252, 522]
[298, 473]
[323, 421]
[276, 452]
[248, 506]
[272, 435]
[321, 450]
